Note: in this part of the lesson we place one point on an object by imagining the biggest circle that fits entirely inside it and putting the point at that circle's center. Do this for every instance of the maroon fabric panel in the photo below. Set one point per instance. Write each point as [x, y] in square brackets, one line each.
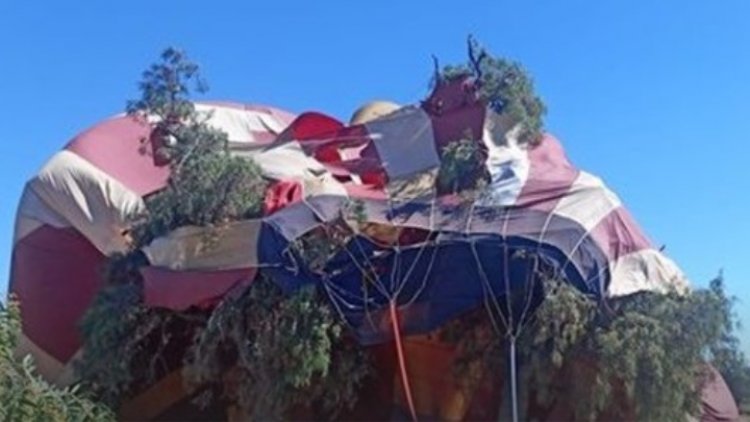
[179, 290]
[454, 111]
[618, 234]
[120, 147]
[55, 273]
[717, 403]
[550, 176]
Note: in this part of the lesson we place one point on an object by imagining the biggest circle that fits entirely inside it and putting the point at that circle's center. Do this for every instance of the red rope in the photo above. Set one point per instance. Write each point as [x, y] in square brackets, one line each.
[402, 360]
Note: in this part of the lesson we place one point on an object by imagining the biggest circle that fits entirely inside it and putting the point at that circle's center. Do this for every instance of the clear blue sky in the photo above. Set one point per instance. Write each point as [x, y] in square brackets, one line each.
[650, 95]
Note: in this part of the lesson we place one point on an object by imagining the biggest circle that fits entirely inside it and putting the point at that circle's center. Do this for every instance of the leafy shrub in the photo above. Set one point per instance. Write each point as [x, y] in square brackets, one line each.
[289, 349]
[25, 396]
[281, 351]
[505, 86]
[641, 356]
[461, 167]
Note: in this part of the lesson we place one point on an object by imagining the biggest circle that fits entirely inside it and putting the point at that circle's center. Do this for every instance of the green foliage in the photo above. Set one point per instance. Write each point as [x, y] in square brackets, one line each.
[165, 89]
[316, 247]
[726, 355]
[281, 352]
[207, 185]
[505, 86]
[636, 347]
[25, 396]
[289, 351]
[461, 167]
[641, 356]
[210, 190]
[124, 343]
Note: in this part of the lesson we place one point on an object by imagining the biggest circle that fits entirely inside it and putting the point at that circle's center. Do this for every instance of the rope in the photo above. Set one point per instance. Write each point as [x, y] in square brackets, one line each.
[513, 379]
[402, 360]
[489, 293]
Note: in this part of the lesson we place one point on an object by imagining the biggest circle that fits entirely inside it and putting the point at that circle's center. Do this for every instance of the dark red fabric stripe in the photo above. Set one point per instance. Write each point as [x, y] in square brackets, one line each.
[55, 273]
[618, 234]
[455, 115]
[179, 290]
[122, 148]
[550, 176]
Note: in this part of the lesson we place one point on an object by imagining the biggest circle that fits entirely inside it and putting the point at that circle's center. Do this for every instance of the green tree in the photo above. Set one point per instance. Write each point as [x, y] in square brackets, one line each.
[505, 86]
[640, 356]
[289, 349]
[25, 396]
[208, 186]
[726, 354]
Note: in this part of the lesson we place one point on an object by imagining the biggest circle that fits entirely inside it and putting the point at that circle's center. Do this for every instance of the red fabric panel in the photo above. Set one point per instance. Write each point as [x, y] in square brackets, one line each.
[281, 194]
[55, 273]
[120, 147]
[311, 125]
[374, 174]
[321, 137]
[618, 234]
[550, 176]
[455, 111]
[179, 290]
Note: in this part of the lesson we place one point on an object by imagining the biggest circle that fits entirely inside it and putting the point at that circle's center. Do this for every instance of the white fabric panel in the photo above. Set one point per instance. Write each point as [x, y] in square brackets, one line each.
[352, 153]
[33, 213]
[205, 248]
[645, 270]
[24, 226]
[91, 201]
[507, 163]
[405, 142]
[239, 124]
[287, 161]
[588, 201]
[325, 184]
[294, 220]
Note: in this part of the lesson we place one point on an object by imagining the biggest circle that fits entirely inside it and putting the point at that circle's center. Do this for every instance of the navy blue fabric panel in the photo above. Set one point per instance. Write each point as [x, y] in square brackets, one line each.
[278, 261]
[432, 289]
[543, 227]
[476, 259]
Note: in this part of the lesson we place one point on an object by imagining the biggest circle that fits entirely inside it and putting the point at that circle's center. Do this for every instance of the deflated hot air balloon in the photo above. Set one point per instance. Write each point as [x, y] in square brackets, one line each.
[405, 219]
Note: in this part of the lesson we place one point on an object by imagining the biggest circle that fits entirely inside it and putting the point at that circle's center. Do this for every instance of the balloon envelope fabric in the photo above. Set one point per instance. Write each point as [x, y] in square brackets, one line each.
[430, 256]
